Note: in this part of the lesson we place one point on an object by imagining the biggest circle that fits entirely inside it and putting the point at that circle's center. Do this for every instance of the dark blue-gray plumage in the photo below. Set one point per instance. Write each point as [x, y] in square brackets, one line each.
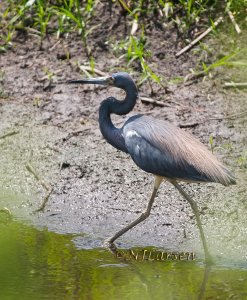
[163, 149]
[157, 147]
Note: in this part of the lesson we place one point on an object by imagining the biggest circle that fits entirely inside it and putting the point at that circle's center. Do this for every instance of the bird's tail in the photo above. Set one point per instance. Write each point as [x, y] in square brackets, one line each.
[229, 178]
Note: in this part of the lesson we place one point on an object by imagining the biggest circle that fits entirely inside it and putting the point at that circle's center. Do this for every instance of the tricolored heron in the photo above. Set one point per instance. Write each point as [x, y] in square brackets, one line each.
[157, 147]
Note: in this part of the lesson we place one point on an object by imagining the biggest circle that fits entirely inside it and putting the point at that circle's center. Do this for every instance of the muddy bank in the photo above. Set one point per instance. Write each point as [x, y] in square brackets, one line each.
[97, 189]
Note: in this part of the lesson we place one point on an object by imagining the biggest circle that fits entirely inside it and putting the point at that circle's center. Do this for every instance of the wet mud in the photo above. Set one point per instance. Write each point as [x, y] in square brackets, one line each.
[96, 188]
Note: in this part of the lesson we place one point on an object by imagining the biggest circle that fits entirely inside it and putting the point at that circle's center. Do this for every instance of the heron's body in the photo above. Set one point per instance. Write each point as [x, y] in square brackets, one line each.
[157, 147]
[175, 153]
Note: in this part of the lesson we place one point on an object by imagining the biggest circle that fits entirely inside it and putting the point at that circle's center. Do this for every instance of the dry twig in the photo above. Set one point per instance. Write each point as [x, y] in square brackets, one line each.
[45, 199]
[154, 102]
[89, 69]
[235, 84]
[199, 37]
[9, 134]
[188, 125]
[48, 188]
[54, 46]
[231, 16]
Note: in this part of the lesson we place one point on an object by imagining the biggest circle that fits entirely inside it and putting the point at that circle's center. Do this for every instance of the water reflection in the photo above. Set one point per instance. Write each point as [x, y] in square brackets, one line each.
[38, 264]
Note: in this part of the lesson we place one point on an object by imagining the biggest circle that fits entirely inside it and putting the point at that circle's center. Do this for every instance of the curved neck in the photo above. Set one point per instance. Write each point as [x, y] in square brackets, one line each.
[111, 105]
[125, 106]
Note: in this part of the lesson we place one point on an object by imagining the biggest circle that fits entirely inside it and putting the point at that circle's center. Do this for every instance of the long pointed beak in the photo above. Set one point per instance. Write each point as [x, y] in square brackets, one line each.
[108, 80]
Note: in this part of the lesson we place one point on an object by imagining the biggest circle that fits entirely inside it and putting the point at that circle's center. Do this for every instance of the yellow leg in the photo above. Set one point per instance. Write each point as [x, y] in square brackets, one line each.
[198, 221]
[109, 242]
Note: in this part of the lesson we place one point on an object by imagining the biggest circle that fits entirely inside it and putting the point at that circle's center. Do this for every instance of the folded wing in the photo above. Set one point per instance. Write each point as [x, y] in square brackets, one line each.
[163, 149]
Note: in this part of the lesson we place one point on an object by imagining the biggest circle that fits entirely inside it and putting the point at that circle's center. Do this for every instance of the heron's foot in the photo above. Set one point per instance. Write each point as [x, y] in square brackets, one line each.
[110, 245]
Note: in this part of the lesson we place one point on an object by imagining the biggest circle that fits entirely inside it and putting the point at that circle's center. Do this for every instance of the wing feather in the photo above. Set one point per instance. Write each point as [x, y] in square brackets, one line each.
[163, 149]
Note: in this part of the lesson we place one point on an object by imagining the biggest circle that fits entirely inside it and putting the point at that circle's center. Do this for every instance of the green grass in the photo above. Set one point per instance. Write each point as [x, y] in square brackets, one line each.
[65, 17]
[45, 17]
[134, 50]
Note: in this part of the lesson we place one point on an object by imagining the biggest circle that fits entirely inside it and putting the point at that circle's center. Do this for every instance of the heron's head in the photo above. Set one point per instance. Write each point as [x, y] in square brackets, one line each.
[120, 80]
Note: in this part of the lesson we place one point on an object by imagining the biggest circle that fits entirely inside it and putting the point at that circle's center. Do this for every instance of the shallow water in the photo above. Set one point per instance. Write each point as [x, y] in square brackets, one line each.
[39, 264]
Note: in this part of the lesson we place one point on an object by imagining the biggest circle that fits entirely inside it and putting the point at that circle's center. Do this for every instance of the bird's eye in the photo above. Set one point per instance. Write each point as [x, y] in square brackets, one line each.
[111, 80]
